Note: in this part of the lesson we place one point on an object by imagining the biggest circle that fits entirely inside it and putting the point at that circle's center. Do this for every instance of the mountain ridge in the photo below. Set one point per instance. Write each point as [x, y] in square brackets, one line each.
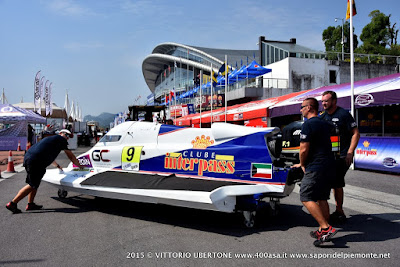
[103, 119]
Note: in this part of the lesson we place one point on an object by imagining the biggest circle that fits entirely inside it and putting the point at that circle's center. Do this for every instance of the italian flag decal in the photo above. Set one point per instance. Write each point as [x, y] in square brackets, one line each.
[261, 170]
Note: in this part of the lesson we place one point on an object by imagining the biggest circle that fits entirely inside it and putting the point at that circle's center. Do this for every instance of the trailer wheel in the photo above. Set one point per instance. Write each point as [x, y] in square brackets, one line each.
[275, 206]
[249, 218]
[62, 193]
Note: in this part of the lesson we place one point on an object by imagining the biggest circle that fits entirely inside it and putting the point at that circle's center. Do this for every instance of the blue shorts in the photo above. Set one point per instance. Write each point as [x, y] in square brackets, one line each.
[316, 185]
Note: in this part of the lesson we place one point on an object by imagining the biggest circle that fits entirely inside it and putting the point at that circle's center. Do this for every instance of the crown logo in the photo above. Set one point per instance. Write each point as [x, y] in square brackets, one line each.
[366, 143]
[202, 143]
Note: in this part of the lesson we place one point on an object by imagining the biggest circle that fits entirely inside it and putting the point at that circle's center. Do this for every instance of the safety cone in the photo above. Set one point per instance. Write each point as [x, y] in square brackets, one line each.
[19, 146]
[10, 166]
[28, 145]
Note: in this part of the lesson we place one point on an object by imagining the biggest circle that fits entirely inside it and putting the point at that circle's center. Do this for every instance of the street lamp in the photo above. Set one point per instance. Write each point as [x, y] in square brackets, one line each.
[336, 19]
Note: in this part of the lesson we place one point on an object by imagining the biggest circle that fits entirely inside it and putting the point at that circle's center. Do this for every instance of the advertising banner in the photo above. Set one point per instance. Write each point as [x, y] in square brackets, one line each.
[217, 100]
[11, 142]
[257, 122]
[378, 153]
[190, 108]
[36, 94]
[176, 111]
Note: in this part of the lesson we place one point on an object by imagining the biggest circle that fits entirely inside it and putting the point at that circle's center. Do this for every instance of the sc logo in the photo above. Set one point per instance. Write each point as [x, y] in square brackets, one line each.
[97, 155]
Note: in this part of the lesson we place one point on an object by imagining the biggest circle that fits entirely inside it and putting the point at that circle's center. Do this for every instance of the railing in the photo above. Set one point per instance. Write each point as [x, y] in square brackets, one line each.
[364, 58]
[247, 83]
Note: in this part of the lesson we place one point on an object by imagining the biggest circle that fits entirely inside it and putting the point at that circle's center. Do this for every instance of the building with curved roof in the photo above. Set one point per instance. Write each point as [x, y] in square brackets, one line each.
[173, 66]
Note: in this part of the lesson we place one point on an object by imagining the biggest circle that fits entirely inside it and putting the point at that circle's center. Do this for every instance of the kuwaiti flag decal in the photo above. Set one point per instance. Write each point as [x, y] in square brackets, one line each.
[261, 170]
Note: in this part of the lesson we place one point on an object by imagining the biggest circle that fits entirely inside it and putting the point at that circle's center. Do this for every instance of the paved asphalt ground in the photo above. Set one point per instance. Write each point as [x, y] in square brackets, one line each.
[82, 230]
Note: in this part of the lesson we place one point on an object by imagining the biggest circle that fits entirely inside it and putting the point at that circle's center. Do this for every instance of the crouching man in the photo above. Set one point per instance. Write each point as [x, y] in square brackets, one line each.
[36, 159]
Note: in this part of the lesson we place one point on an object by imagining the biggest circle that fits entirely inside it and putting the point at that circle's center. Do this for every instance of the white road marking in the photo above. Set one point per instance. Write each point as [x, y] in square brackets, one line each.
[382, 205]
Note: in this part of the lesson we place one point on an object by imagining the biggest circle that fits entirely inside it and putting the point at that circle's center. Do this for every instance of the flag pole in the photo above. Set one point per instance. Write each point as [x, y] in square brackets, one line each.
[212, 90]
[173, 91]
[226, 84]
[201, 81]
[351, 59]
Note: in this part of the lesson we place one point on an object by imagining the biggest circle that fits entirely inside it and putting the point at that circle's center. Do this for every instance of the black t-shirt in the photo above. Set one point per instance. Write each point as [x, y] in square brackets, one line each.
[46, 151]
[317, 132]
[344, 124]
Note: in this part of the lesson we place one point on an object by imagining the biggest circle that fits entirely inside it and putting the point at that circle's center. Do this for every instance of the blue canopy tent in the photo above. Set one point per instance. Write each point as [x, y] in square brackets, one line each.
[252, 70]
[19, 119]
[232, 77]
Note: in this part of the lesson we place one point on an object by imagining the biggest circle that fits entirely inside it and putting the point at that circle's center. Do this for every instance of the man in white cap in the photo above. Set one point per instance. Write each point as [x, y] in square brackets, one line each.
[36, 159]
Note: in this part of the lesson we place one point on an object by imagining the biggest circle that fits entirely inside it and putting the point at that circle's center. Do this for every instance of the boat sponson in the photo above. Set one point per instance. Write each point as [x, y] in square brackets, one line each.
[148, 181]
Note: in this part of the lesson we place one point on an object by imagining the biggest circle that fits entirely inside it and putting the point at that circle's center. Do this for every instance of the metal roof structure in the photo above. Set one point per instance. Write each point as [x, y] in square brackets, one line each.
[162, 57]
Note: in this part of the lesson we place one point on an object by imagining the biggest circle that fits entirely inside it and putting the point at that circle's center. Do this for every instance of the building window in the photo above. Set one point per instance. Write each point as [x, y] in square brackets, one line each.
[272, 55]
[332, 76]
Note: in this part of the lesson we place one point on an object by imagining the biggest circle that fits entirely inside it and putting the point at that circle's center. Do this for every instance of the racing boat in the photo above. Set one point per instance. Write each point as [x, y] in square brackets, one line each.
[226, 168]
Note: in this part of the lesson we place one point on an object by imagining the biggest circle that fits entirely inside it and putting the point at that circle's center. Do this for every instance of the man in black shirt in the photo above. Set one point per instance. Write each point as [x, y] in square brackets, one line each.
[317, 162]
[36, 159]
[347, 131]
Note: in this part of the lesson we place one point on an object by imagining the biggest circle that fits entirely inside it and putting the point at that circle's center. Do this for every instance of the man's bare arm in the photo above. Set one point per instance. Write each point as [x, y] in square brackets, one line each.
[72, 158]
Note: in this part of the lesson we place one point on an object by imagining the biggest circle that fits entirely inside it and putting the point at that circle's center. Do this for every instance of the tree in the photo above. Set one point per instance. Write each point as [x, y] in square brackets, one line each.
[376, 35]
[393, 34]
[332, 37]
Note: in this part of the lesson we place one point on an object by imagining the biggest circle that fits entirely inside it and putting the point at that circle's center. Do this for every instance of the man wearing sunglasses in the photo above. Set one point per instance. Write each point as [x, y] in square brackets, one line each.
[36, 159]
[317, 162]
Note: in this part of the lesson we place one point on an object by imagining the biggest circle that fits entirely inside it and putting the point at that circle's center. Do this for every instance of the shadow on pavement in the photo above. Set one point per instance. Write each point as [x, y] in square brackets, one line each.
[231, 224]
[358, 228]
[367, 228]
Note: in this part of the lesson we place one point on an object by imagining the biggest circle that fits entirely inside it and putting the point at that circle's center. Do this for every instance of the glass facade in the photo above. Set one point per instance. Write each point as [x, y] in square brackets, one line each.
[184, 75]
[176, 67]
[165, 81]
[272, 54]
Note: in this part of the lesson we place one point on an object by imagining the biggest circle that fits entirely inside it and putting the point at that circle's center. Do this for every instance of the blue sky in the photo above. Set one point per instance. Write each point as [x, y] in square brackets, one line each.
[95, 49]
